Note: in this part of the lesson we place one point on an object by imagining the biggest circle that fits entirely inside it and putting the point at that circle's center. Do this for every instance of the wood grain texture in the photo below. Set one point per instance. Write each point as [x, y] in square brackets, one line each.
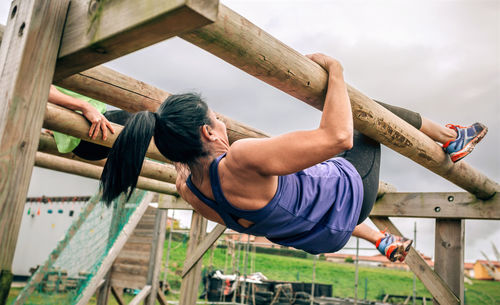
[437, 205]
[244, 45]
[99, 31]
[74, 124]
[191, 281]
[154, 267]
[150, 169]
[449, 254]
[127, 93]
[27, 60]
[94, 172]
[115, 249]
[433, 282]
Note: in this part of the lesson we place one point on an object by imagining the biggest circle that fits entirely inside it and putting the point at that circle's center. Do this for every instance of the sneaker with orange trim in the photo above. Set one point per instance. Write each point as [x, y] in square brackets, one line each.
[467, 138]
[395, 248]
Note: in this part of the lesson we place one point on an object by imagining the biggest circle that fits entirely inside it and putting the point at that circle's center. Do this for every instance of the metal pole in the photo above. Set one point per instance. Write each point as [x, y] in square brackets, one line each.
[356, 273]
[313, 279]
[165, 270]
[414, 276]
[366, 288]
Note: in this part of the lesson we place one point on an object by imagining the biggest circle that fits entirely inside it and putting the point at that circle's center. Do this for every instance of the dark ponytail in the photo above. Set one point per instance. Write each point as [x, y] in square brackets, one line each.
[122, 169]
[176, 130]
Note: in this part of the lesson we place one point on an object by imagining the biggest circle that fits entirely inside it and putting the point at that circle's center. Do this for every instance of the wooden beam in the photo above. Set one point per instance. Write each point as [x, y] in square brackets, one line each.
[449, 254]
[434, 284]
[244, 45]
[74, 124]
[127, 93]
[161, 297]
[191, 281]
[203, 247]
[115, 249]
[167, 202]
[94, 172]
[437, 205]
[99, 31]
[27, 59]
[141, 295]
[150, 169]
[153, 277]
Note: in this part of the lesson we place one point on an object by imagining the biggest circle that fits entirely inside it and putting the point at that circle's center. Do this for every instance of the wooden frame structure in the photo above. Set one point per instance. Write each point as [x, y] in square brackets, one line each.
[92, 32]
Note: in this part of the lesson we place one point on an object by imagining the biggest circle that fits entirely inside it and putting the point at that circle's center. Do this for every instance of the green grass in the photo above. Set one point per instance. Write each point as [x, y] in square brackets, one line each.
[380, 281]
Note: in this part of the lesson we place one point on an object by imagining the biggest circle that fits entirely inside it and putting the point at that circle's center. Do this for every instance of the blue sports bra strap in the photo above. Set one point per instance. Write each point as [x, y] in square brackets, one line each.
[228, 220]
[215, 182]
[200, 196]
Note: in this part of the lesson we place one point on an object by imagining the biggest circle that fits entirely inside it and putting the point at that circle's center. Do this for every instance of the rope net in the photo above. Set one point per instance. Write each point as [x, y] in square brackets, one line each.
[75, 261]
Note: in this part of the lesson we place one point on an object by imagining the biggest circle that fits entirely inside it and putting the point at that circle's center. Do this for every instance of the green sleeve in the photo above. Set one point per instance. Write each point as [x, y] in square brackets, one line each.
[65, 143]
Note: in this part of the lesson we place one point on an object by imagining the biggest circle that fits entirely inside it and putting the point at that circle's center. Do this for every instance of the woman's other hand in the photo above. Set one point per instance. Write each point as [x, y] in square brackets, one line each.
[98, 122]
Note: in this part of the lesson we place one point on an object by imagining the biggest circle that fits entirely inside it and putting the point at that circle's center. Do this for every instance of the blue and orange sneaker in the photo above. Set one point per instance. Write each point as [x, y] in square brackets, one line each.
[467, 138]
[394, 247]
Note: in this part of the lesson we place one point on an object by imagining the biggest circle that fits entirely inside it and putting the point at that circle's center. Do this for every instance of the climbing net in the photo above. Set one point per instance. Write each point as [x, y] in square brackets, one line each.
[78, 256]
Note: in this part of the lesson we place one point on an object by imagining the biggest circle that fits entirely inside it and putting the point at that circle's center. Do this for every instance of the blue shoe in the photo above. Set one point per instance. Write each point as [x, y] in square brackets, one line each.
[466, 140]
[395, 248]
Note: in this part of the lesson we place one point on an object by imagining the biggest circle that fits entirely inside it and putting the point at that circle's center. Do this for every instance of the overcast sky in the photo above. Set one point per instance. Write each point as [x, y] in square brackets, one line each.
[440, 58]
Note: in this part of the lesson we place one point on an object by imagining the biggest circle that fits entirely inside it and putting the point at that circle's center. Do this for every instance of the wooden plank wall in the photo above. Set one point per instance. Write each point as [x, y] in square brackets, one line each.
[130, 268]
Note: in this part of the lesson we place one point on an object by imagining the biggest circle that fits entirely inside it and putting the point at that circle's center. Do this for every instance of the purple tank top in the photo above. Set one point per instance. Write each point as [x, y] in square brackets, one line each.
[315, 209]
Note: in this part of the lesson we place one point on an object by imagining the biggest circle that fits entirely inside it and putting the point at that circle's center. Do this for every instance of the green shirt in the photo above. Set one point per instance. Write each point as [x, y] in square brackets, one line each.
[65, 143]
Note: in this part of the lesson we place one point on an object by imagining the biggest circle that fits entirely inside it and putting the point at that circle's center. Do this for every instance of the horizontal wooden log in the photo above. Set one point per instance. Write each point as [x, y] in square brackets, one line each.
[74, 124]
[437, 205]
[150, 169]
[244, 45]
[434, 284]
[127, 93]
[94, 172]
[99, 31]
[205, 244]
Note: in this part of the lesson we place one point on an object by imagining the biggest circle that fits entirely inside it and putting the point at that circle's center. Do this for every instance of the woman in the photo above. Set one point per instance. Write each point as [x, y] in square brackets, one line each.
[287, 188]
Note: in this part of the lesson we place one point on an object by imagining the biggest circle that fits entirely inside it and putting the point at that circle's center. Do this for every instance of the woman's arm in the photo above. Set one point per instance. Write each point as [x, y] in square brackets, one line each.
[298, 150]
[98, 121]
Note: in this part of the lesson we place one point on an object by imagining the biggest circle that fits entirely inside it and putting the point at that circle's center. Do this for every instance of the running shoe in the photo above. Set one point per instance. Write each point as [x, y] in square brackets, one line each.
[467, 138]
[394, 247]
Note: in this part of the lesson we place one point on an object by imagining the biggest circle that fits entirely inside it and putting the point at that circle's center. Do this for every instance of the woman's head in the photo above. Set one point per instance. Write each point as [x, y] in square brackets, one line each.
[180, 128]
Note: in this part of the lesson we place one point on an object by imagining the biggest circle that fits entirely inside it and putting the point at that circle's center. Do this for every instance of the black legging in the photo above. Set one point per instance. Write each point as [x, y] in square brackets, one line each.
[365, 156]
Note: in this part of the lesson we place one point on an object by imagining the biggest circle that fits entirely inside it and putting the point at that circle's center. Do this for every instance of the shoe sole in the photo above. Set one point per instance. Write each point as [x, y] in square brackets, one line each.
[400, 252]
[459, 155]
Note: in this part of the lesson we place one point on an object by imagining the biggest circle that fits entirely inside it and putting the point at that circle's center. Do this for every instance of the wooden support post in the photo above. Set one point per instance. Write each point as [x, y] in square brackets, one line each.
[191, 281]
[115, 249]
[202, 248]
[99, 31]
[437, 205]
[94, 172]
[27, 59]
[449, 254]
[153, 278]
[118, 297]
[434, 284]
[244, 45]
